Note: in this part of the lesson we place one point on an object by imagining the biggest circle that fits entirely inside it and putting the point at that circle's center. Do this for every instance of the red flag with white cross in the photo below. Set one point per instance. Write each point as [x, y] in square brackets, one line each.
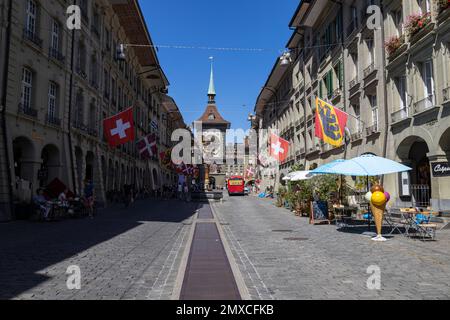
[119, 129]
[278, 148]
[147, 146]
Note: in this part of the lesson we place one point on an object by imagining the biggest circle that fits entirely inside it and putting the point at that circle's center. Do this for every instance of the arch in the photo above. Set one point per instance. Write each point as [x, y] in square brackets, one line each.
[411, 135]
[110, 174]
[79, 162]
[155, 179]
[51, 164]
[413, 150]
[23, 155]
[90, 164]
[404, 147]
[104, 172]
[444, 141]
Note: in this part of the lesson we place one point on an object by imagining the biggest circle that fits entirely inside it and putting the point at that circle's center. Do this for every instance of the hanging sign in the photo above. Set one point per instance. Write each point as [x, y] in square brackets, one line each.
[440, 169]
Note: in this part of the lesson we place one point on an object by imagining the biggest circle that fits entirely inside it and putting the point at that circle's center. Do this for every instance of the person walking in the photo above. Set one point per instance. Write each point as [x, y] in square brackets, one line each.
[187, 195]
[89, 198]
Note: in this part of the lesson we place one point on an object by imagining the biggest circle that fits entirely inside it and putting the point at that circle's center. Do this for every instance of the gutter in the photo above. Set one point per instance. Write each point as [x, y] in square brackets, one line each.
[386, 109]
[3, 104]
[72, 163]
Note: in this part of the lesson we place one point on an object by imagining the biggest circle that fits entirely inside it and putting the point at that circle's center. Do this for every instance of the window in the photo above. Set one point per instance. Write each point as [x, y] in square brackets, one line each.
[424, 6]
[27, 88]
[398, 21]
[52, 96]
[114, 91]
[401, 89]
[428, 79]
[79, 109]
[55, 36]
[106, 82]
[357, 112]
[94, 71]
[374, 111]
[369, 43]
[329, 83]
[31, 17]
[81, 58]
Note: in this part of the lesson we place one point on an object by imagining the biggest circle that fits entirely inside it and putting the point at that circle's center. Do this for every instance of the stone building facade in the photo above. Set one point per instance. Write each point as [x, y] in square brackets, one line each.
[62, 83]
[338, 56]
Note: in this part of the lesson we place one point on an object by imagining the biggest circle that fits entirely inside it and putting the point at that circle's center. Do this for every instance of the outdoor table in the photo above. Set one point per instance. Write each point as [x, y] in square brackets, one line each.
[409, 218]
[341, 215]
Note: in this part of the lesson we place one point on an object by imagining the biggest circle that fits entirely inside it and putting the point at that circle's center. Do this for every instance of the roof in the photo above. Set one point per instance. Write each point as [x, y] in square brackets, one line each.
[172, 109]
[132, 21]
[299, 13]
[271, 84]
[211, 109]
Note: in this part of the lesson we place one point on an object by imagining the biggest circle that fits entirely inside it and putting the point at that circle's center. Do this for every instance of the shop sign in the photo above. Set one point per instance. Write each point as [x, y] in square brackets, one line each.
[440, 169]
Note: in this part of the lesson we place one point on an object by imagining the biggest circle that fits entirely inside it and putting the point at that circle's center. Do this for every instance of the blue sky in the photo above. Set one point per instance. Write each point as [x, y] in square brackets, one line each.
[239, 75]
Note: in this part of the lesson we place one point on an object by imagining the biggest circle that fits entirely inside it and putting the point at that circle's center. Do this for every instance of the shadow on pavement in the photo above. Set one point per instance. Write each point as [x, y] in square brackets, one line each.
[28, 247]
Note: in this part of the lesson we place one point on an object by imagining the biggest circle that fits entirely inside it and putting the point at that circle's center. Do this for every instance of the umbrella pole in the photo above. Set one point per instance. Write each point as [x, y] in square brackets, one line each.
[368, 207]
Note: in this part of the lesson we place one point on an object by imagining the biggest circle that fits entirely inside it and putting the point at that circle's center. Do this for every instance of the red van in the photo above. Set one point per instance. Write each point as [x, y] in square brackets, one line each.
[236, 185]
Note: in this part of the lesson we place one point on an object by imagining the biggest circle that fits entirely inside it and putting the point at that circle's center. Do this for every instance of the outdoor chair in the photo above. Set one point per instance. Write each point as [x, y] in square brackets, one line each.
[423, 227]
[420, 222]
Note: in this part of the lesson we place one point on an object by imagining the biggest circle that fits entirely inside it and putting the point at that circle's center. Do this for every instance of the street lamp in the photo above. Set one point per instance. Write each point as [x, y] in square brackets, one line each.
[285, 59]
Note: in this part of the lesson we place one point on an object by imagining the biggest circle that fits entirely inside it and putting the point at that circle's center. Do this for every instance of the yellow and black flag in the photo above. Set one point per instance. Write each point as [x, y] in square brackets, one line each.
[330, 123]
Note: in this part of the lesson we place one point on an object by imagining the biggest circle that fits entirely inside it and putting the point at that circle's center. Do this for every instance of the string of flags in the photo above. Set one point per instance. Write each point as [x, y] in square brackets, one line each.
[119, 129]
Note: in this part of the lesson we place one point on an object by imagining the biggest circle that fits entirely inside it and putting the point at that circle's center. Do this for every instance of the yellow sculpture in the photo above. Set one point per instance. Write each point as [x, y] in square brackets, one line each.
[378, 205]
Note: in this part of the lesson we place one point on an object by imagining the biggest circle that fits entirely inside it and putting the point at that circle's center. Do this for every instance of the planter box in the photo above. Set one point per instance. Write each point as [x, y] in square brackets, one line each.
[421, 33]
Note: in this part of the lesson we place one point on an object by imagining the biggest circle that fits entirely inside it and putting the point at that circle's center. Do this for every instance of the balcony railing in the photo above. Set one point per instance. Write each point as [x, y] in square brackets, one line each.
[367, 71]
[94, 83]
[446, 94]
[95, 30]
[353, 82]
[356, 136]
[352, 26]
[30, 35]
[89, 130]
[424, 104]
[372, 130]
[302, 150]
[27, 110]
[56, 54]
[51, 119]
[336, 93]
[81, 72]
[400, 115]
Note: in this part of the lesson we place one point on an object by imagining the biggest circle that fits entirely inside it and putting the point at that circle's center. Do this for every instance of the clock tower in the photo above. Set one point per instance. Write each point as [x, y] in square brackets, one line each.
[213, 174]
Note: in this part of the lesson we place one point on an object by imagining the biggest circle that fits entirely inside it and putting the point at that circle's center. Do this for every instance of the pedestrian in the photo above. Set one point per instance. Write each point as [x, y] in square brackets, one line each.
[127, 192]
[187, 195]
[180, 191]
[89, 198]
[41, 202]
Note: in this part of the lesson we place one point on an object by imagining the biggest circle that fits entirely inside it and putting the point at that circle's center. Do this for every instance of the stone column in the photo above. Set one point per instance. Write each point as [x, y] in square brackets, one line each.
[440, 186]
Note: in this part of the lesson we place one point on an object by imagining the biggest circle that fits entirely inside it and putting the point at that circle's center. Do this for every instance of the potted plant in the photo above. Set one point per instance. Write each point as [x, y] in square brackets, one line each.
[416, 22]
[393, 44]
[281, 196]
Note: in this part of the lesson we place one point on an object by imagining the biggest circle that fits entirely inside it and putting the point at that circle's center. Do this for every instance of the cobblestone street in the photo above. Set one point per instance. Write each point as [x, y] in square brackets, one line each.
[138, 253]
[321, 262]
[123, 254]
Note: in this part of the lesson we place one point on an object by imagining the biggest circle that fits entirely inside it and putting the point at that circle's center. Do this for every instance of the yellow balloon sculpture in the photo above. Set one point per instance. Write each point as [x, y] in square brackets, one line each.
[378, 198]
[378, 205]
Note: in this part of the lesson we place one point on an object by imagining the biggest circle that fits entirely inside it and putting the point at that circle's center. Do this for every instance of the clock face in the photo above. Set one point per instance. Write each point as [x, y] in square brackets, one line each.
[213, 144]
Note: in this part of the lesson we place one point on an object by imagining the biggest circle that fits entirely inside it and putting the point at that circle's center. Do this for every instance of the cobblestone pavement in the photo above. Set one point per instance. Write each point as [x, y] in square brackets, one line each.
[326, 263]
[123, 254]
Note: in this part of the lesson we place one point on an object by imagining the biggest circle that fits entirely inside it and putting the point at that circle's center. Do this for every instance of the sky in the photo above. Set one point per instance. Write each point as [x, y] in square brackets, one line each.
[239, 75]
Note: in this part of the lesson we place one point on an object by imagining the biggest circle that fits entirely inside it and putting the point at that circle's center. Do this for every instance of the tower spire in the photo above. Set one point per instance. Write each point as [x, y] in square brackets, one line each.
[212, 89]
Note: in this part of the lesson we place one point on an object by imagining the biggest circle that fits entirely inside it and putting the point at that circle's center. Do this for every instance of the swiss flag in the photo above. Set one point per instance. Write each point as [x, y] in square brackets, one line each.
[278, 148]
[147, 146]
[119, 129]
